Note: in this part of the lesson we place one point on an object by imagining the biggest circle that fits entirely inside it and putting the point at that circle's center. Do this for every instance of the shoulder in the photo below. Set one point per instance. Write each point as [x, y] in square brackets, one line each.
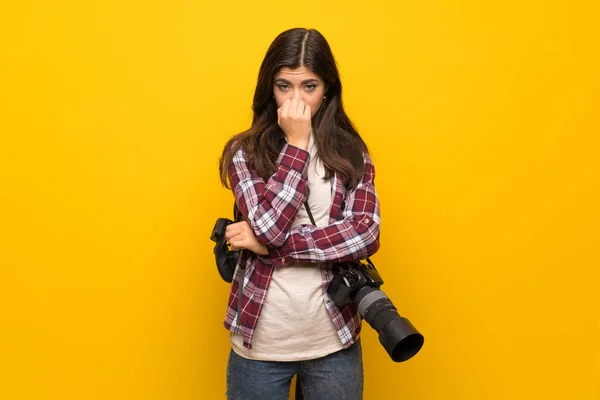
[368, 160]
[240, 155]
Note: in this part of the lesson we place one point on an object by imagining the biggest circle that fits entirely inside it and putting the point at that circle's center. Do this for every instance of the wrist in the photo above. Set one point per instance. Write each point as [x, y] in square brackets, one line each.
[262, 250]
[301, 144]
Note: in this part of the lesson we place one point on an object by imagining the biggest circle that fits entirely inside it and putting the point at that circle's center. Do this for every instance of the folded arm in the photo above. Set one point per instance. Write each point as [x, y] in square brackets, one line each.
[354, 237]
[270, 207]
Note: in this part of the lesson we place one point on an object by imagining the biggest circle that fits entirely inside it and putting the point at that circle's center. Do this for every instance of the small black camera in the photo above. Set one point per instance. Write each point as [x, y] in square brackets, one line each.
[359, 282]
[225, 257]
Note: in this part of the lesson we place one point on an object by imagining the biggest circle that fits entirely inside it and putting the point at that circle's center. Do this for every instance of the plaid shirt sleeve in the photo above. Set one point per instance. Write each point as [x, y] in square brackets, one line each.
[270, 207]
[354, 237]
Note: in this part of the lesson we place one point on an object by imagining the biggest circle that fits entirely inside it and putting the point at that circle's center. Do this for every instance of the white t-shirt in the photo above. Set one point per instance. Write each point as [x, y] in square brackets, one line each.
[294, 324]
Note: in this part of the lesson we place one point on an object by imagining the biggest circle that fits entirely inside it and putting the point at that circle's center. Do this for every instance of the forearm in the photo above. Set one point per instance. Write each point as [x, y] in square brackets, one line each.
[346, 240]
[270, 207]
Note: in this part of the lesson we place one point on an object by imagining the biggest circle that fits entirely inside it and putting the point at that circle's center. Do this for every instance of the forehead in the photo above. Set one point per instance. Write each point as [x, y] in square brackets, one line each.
[298, 74]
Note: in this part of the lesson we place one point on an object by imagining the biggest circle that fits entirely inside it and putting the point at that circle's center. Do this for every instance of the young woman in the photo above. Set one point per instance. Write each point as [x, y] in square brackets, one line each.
[301, 151]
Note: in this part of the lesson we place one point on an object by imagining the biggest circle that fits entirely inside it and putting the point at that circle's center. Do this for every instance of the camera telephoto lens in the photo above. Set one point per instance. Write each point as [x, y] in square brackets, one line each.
[397, 335]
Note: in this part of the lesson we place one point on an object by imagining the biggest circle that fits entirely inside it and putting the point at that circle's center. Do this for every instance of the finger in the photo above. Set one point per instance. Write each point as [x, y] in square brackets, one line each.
[241, 228]
[285, 108]
[234, 242]
[235, 246]
[243, 224]
[237, 225]
[293, 107]
[308, 111]
[238, 242]
[279, 114]
[231, 231]
[247, 228]
[300, 108]
[284, 105]
[238, 228]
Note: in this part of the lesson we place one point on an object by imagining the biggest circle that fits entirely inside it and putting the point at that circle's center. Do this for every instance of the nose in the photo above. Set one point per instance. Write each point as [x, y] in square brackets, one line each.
[296, 94]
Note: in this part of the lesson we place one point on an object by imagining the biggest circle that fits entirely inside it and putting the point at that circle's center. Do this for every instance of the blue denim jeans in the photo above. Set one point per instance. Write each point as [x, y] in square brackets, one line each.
[336, 376]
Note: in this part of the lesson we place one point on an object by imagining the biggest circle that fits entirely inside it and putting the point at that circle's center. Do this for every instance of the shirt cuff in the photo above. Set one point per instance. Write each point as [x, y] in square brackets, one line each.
[279, 256]
[294, 158]
[277, 260]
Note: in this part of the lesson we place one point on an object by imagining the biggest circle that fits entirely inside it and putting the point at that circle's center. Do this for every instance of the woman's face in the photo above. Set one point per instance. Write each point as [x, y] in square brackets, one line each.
[299, 83]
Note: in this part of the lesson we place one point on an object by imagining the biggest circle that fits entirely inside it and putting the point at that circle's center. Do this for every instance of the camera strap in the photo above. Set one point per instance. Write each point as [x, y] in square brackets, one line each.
[310, 216]
[241, 266]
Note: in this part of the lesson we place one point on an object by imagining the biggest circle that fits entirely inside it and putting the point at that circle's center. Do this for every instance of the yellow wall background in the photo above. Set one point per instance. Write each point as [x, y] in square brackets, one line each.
[482, 118]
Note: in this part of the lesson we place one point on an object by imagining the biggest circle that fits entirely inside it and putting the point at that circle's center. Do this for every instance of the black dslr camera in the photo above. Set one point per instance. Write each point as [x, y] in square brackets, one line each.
[359, 282]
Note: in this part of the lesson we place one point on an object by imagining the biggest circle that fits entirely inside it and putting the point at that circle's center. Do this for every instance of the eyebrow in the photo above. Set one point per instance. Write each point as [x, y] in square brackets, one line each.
[303, 82]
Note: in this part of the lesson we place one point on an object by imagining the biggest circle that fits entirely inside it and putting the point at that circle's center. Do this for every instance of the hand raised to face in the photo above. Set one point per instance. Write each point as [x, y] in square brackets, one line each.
[294, 118]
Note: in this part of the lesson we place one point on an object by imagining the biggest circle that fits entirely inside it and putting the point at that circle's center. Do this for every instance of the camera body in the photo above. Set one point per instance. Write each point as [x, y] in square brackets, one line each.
[351, 277]
[225, 257]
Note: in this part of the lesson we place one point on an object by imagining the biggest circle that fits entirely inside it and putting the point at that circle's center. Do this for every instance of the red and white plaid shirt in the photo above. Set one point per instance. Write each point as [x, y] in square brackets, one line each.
[270, 208]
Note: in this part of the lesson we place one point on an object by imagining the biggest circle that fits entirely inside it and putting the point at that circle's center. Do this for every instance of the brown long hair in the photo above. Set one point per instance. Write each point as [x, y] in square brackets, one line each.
[339, 145]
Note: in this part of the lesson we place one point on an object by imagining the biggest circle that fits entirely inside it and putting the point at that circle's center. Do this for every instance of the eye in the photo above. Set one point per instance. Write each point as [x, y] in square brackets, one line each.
[310, 87]
[283, 87]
